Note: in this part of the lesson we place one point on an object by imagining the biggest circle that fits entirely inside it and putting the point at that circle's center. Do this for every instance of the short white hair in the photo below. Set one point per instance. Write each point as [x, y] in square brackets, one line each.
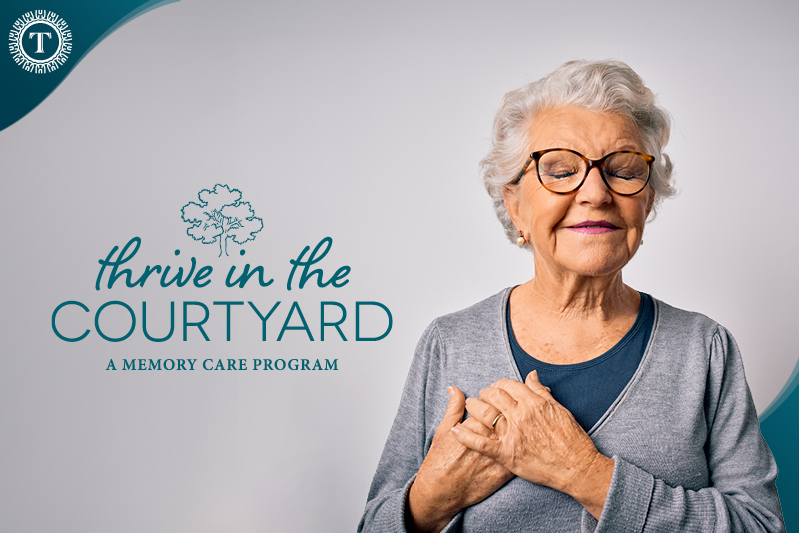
[599, 86]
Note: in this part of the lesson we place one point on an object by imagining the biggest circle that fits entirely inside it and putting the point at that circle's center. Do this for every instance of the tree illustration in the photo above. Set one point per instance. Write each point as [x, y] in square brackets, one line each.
[221, 215]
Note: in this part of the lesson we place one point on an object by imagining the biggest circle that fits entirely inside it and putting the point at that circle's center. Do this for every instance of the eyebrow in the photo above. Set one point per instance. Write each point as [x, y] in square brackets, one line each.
[624, 146]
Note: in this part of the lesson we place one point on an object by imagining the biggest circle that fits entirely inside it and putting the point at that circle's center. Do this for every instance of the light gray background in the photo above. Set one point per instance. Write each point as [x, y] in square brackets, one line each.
[363, 121]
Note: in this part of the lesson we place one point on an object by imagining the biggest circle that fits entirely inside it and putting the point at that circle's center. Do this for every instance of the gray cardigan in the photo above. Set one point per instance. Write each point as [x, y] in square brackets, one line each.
[684, 435]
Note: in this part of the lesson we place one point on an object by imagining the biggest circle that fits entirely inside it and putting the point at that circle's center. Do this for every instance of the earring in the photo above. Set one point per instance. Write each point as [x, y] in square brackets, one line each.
[521, 240]
[642, 242]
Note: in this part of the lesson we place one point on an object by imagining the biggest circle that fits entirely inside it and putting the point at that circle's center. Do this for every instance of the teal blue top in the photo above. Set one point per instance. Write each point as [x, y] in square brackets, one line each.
[588, 389]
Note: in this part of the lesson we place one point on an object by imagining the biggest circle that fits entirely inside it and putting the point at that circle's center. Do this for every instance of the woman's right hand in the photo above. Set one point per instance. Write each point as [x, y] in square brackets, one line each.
[452, 477]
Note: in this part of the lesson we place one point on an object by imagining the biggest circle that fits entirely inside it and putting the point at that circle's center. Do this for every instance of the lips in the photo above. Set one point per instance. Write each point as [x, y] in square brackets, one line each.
[591, 227]
[595, 224]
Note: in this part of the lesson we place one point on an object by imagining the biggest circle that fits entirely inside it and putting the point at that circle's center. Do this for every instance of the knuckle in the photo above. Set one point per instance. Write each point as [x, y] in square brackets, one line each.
[489, 392]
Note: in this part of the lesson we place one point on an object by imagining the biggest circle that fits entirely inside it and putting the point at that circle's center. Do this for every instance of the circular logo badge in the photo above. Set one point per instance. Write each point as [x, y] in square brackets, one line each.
[40, 41]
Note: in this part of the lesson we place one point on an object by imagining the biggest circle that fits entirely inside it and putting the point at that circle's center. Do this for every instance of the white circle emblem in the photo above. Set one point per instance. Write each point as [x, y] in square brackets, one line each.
[40, 41]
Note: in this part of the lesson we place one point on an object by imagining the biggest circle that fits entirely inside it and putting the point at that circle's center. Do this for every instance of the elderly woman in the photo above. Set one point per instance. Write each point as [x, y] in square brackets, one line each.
[594, 407]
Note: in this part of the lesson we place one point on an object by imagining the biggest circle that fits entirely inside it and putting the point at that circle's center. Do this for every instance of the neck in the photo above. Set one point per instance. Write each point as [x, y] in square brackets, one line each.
[567, 295]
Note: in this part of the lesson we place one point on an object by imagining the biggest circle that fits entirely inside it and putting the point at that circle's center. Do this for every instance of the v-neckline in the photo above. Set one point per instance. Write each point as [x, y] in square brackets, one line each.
[622, 395]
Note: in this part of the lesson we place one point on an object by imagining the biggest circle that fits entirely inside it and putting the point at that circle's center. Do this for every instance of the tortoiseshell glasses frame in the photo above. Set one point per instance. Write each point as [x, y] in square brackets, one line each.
[621, 181]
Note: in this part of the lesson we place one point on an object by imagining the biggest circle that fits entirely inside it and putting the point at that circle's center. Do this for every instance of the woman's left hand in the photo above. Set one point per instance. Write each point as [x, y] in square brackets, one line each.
[538, 440]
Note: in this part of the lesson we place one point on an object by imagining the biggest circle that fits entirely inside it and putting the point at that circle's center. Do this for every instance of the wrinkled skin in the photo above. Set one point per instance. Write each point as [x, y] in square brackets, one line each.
[452, 476]
[539, 440]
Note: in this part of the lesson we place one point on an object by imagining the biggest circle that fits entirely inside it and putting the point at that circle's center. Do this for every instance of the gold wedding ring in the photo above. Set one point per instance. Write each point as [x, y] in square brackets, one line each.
[496, 419]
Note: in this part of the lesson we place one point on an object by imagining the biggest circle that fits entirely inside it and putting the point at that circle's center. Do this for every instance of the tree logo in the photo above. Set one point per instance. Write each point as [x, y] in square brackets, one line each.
[221, 215]
[40, 41]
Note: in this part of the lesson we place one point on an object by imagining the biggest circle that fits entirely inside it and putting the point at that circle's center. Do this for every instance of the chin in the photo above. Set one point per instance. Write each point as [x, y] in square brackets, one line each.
[598, 264]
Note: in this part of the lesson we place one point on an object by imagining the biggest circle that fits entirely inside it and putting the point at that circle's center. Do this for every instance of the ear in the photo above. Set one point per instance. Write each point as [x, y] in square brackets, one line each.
[509, 195]
[650, 203]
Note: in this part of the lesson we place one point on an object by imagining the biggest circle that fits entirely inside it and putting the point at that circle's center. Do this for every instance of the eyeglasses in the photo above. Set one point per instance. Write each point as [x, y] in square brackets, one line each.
[563, 171]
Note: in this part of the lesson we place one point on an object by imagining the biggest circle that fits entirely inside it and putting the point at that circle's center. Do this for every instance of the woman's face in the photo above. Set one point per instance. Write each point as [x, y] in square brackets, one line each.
[551, 222]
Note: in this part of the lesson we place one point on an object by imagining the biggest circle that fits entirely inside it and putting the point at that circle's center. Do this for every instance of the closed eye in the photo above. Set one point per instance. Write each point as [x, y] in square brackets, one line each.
[623, 175]
[560, 175]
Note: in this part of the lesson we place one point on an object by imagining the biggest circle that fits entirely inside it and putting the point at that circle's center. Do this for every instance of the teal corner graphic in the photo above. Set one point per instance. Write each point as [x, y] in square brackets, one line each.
[46, 40]
[779, 425]
[220, 216]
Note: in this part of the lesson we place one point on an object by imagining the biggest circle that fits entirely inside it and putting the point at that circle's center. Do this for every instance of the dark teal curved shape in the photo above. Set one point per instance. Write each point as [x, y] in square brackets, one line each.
[90, 21]
[779, 425]
[783, 395]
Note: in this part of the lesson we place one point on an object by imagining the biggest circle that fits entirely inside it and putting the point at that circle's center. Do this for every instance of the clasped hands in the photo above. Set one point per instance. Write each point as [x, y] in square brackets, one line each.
[516, 429]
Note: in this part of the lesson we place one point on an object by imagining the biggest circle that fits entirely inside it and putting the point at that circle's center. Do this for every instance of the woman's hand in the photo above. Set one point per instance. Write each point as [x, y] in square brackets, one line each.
[453, 477]
[539, 440]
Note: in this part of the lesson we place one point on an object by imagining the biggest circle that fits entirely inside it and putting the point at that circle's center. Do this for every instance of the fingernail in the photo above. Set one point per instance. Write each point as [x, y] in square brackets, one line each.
[468, 400]
[535, 375]
[455, 430]
[450, 391]
[547, 388]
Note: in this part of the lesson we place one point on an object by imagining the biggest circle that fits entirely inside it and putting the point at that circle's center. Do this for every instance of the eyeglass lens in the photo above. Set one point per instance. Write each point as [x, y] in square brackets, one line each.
[563, 171]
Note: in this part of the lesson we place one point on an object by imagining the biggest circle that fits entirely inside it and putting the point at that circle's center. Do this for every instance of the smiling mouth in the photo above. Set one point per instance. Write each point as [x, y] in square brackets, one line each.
[593, 227]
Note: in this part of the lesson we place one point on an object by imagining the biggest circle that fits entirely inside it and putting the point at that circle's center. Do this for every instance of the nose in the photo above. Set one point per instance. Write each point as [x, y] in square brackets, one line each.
[593, 190]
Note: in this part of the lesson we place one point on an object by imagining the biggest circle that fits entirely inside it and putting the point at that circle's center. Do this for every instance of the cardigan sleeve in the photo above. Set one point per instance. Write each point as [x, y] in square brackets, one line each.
[407, 444]
[742, 495]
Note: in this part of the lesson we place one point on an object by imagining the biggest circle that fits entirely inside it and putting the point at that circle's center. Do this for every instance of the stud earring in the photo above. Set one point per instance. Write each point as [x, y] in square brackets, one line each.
[521, 240]
[642, 242]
